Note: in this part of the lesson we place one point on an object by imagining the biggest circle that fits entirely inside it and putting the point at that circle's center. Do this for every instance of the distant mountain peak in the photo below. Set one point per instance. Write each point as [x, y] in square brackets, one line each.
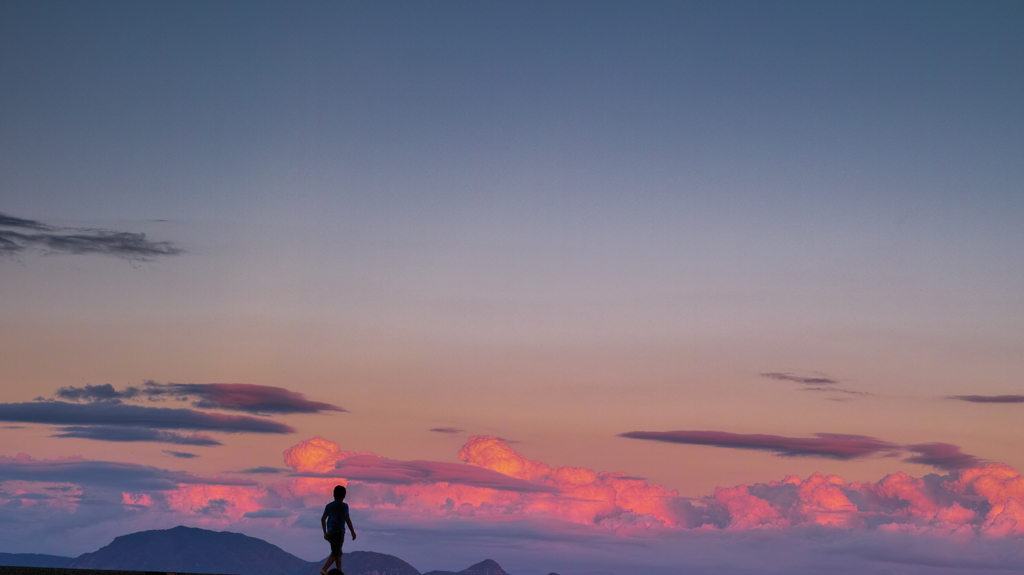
[485, 567]
[192, 550]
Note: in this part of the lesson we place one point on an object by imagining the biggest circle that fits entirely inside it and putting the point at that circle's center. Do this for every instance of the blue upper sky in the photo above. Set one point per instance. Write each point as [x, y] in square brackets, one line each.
[162, 110]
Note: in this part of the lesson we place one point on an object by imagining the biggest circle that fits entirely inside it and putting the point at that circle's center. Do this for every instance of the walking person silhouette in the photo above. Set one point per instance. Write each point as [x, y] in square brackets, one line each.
[333, 521]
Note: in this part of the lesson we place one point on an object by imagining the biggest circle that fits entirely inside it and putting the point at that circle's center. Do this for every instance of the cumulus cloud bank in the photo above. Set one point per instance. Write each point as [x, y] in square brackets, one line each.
[567, 504]
[982, 499]
[18, 235]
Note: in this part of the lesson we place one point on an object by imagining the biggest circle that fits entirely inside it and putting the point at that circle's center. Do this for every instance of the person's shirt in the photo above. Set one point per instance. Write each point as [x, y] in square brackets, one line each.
[337, 512]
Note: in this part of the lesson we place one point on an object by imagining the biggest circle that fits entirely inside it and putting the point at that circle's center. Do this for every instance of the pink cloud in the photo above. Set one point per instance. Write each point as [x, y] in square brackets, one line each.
[496, 483]
[376, 469]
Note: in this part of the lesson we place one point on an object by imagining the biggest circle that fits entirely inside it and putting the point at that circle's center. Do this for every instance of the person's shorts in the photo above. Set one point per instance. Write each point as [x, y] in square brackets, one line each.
[336, 538]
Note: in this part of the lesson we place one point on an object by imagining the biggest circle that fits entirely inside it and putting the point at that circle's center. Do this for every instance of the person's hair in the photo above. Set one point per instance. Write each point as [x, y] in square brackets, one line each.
[339, 492]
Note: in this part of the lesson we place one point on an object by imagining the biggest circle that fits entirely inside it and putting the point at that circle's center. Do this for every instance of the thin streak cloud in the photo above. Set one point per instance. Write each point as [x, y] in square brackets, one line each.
[260, 470]
[989, 398]
[818, 380]
[74, 414]
[942, 456]
[244, 397]
[180, 454]
[828, 445]
[18, 235]
[133, 434]
[109, 474]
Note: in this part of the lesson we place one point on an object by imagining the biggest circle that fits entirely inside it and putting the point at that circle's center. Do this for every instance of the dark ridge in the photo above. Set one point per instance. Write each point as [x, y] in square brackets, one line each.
[485, 567]
[188, 550]
[34, 560]
[69, 571]
[366, 563]
[191, 550]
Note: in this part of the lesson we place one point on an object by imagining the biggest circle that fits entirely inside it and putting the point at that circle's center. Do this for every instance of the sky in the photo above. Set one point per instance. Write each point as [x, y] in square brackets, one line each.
[594, 287]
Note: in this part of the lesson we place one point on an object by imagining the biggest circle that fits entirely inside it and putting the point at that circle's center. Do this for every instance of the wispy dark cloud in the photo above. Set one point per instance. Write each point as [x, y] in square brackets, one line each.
[7, 221]
[109, 474]
[18, 235]
[835, 390]
[989, 398]
[123, 415]
[97, 393]
[446, 430]
[374, 469]
[132, 434]
[269, 514]
[815, 380]
[819, 383]
[259, 470]
[828, 445]
[942, 456]
[244, 397]
[180, 454]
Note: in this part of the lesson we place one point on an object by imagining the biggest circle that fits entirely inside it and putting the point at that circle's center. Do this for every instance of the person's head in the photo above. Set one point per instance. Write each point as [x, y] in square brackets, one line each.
[339, 492]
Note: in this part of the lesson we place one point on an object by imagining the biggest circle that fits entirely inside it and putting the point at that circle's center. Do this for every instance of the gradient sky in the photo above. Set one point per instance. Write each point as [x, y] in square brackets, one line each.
[551, 223]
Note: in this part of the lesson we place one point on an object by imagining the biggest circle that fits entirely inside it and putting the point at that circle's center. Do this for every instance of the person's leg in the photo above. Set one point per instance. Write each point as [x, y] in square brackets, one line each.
[327, 565]
[336, 541]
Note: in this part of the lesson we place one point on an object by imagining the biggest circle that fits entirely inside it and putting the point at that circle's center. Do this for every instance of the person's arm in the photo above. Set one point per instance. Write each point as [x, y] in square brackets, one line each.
[323, 523]
[348, 519]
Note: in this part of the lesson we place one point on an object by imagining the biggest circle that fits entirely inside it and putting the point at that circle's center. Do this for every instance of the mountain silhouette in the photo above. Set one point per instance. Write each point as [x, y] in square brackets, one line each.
[366, 563]
[34, 560]
[485, 567]
[193, 551]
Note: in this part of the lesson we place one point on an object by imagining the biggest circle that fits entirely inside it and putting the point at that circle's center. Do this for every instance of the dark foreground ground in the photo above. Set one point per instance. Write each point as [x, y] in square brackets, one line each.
[63, 571]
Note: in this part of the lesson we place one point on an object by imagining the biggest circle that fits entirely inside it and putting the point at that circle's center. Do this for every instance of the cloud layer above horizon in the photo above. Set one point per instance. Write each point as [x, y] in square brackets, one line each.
[103, 413]
[245, 397]
[495, 482]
